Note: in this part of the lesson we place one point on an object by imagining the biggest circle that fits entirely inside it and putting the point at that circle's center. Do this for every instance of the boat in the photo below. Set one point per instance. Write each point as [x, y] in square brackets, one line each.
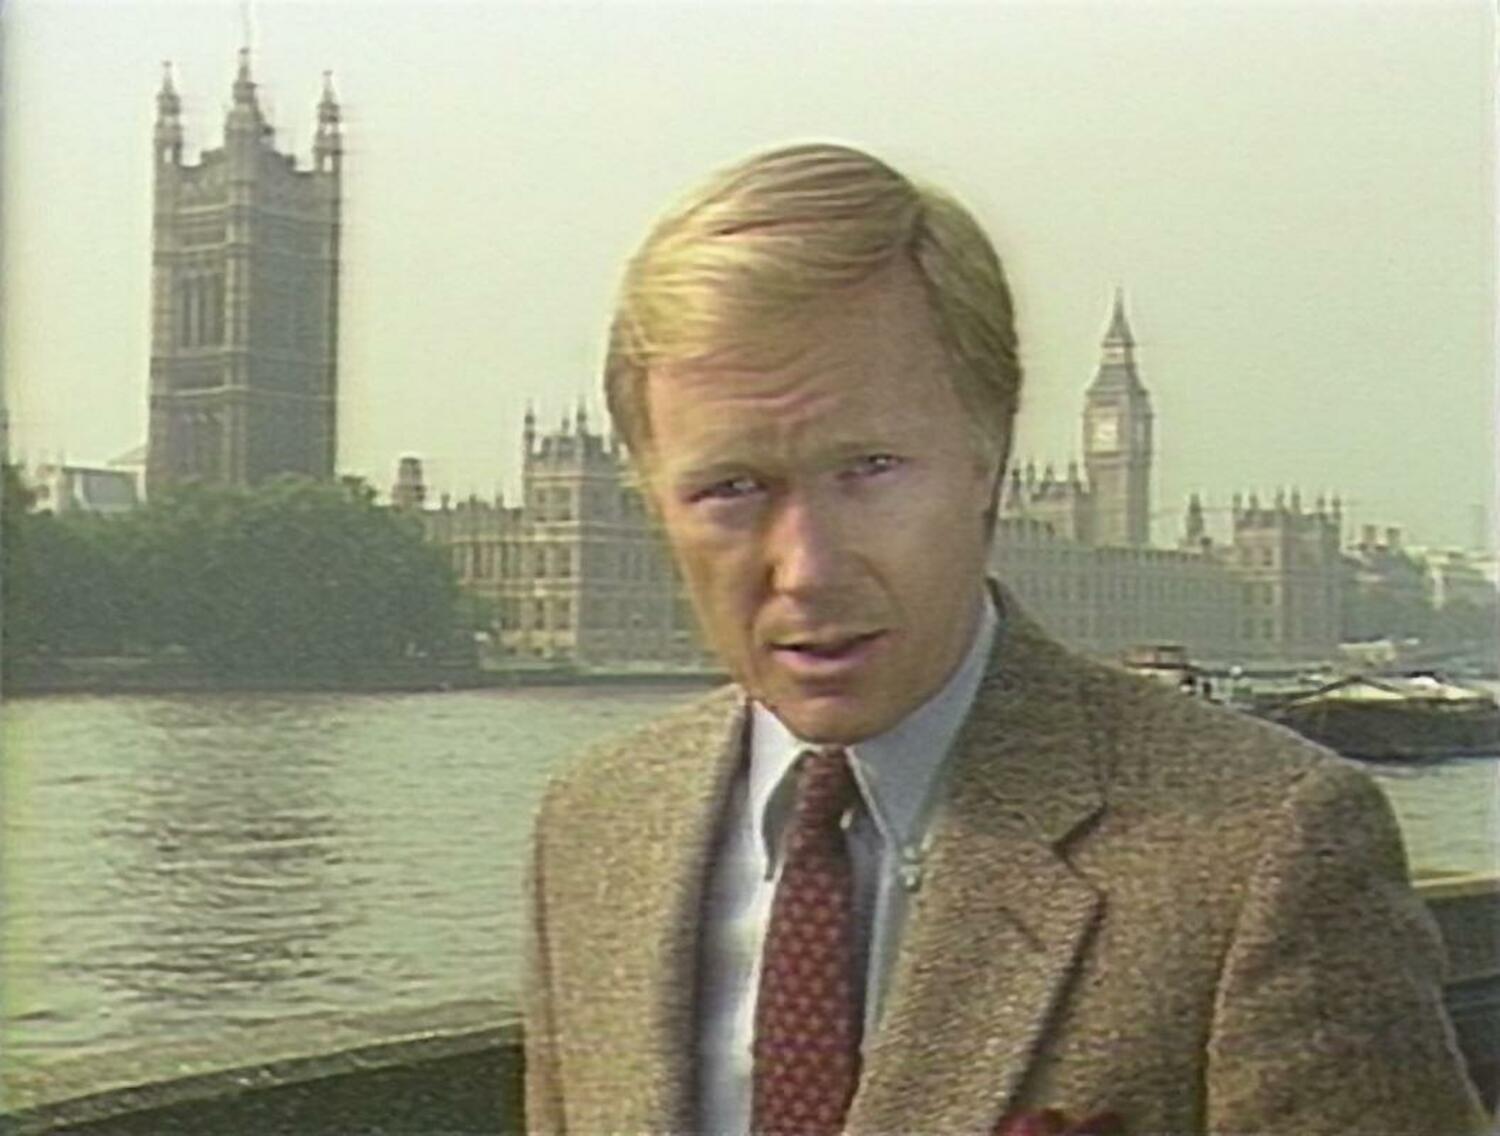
[1393, 718]
[1166, 663]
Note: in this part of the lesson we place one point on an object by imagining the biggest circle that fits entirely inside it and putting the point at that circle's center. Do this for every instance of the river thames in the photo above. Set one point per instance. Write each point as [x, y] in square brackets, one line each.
[178, 867]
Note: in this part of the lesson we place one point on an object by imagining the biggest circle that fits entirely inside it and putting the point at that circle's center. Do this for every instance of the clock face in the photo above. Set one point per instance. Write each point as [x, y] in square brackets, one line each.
[1104, 433]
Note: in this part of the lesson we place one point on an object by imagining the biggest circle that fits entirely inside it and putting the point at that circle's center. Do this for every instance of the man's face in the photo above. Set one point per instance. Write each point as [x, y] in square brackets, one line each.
[828, 512]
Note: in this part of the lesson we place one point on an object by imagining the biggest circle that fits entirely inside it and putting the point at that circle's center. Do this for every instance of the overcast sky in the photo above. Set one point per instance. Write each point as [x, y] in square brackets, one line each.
[1297, 198]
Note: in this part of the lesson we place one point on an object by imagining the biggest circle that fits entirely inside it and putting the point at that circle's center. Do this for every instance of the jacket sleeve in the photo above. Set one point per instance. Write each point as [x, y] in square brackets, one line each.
[1328, 1016]
[544, 1105]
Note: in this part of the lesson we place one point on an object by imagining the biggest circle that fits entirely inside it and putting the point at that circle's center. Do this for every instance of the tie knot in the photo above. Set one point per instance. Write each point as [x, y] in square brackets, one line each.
[825, 790]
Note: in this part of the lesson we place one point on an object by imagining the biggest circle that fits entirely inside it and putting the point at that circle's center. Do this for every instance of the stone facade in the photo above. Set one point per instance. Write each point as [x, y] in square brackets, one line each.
[1289, 569]
[1102, 599]
[578, 573]
[245, 273]
[1385, 588]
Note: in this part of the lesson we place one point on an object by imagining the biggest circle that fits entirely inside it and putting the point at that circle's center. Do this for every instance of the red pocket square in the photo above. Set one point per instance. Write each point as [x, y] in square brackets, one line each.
[1052, 1122]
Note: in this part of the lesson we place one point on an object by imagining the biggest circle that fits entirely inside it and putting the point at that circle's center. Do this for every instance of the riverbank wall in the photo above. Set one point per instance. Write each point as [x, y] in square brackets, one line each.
[456, 1070]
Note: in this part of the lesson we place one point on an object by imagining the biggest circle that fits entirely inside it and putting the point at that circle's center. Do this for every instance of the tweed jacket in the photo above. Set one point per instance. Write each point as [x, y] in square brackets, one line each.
[1134, 901]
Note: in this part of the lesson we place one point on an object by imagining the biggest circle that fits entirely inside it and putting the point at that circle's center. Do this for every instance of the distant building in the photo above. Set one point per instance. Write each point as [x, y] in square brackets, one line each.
[1112, 504]
[410, 491]
[1454, 576]
[245, 277]
[1065, 505]
[1117, 440]
[62, 488]
[1384, 588]
[578, 572]
[1289, 569]
[1077, 549]
[1104, 599]
[1488, 565]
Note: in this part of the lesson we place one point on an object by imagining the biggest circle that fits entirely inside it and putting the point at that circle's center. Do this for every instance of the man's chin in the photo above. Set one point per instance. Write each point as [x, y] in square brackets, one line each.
[829, 719]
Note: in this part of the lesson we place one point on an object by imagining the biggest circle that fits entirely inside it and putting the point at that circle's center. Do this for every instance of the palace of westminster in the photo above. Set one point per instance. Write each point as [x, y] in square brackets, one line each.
[244, 386]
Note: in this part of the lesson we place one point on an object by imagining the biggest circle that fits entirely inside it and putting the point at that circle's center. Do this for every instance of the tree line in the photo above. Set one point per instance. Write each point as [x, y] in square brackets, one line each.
[292, 576]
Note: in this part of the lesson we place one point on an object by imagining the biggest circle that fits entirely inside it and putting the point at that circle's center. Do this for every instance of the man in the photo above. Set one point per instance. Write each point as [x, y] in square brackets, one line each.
[920, 870]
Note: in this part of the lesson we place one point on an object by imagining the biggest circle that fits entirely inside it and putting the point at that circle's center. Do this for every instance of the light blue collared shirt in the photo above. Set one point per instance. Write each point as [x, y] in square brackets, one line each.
[898, 773]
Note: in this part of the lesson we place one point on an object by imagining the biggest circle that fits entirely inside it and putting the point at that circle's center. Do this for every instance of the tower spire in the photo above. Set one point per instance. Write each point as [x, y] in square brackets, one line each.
[1119, 343]
[1193, 529]
[168, 119]
[1117, 360]
[244, 116]
[244, 86]
[1119, 326]
[167, 102]
[328, 143]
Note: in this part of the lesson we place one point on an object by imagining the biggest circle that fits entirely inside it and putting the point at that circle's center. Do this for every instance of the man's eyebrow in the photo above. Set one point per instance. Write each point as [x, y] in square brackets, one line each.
[884, 442]
[721, 466]
[709, 469]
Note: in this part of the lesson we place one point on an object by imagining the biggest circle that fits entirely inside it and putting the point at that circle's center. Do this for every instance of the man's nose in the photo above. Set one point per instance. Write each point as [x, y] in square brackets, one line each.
[804, 544]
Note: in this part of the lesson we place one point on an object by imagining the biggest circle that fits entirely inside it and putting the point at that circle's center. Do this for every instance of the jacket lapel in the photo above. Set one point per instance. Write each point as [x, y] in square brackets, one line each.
[674, 828]
[1001, 920]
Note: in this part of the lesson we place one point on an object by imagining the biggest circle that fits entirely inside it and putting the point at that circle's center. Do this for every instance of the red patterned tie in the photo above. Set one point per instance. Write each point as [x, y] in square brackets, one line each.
[807, 1013]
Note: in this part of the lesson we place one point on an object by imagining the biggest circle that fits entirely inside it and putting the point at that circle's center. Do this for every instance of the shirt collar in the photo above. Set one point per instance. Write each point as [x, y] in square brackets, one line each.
[897, 771]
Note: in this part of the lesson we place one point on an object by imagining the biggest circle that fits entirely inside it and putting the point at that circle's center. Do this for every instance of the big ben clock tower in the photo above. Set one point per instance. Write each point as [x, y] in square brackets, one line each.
[1117, 440]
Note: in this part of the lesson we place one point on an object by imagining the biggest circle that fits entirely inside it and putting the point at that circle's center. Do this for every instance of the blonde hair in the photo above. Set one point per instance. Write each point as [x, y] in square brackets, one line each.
[740, 260]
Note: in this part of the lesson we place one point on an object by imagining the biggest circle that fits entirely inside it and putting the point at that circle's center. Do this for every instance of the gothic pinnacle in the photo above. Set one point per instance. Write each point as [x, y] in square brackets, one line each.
[244, 87]
[167, 101]
[1119, 326]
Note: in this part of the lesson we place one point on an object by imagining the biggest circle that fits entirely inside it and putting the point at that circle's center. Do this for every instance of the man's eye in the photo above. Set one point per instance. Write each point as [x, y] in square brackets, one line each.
[729, 489]
[871, 464]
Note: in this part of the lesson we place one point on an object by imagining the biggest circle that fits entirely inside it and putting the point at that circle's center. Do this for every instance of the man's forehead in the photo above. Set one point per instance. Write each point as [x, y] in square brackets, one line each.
[890, 304]
[813, 385]
[812, 421]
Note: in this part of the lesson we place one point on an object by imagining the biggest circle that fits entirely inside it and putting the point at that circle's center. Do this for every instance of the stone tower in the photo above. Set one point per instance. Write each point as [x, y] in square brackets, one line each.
[410, 491]
[1117, 440]
[1194, 532]
[245, 276]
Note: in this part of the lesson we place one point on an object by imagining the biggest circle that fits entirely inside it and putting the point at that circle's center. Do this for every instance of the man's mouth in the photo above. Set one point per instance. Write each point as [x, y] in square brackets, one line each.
[827, 649]
[831, 648]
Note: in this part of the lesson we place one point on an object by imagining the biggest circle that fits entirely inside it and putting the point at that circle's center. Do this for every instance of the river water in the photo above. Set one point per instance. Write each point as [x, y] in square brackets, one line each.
[179, 866]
